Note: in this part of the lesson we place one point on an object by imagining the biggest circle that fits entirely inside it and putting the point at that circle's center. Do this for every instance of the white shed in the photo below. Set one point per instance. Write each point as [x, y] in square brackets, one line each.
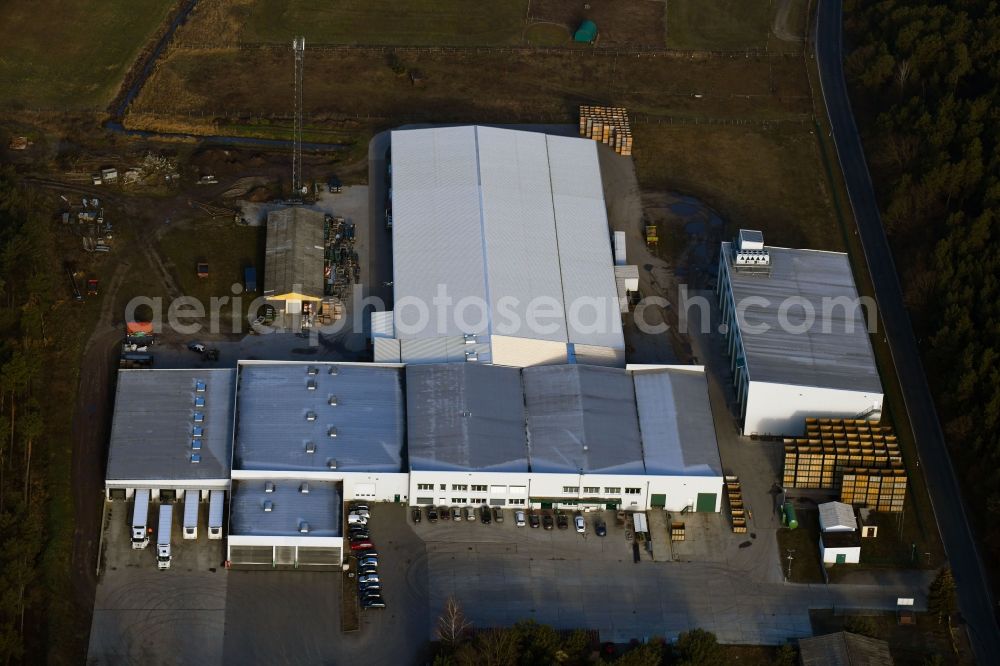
[837, 517]
[840, 547]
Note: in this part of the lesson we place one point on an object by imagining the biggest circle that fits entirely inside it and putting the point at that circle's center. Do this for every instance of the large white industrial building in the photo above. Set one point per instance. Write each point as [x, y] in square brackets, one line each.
[788, 364]
[501, 251]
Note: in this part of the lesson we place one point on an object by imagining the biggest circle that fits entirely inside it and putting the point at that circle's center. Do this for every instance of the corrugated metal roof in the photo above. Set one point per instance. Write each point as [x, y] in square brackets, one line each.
[837, 516]
[844, 649]
[151, 431]
[386, 350]
[582, 419]
[837, 358]
[273, 428]
[675, 420]
[503, 217]
[294, 256]
[320, 508]
[465, 417]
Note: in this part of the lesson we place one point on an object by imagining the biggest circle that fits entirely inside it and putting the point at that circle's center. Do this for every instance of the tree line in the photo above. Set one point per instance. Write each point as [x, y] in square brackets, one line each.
[925, 77]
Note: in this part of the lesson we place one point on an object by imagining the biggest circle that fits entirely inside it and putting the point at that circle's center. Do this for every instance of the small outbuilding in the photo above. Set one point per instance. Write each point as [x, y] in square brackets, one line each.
[293, 265]
[840, 547]
[844, 648]
[837, 517]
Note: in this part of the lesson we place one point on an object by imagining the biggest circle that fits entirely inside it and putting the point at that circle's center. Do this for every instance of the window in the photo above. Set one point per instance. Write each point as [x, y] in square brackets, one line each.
[592, 490]
[459, 486]
[497, 502]
[478, 500]
[613, 490]
[478, 489]
[444, 486]
[425, 486]
[425, 500]
[519, 502]
[458, 500]
[633, 491]
[571, 489]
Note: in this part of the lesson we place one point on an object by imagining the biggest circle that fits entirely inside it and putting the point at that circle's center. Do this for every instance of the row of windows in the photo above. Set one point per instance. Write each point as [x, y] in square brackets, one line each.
[594, 490]
[496, 490]
[588, 490]
[475, 501]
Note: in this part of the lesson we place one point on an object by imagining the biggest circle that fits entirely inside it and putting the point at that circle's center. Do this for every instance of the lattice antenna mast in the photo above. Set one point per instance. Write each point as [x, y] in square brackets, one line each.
[299, 48]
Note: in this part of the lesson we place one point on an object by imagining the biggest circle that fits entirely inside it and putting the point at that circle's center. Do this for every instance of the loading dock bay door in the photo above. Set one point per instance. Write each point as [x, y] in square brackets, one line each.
[658, 501]
[706, 502]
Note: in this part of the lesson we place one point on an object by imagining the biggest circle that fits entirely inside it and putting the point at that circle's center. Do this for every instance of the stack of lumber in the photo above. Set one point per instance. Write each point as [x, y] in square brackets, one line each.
[676, 531]
[734, 492]
[609, 125]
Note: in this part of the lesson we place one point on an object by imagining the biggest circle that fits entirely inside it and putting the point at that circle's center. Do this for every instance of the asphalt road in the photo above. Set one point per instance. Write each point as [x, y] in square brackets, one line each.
[975, 600]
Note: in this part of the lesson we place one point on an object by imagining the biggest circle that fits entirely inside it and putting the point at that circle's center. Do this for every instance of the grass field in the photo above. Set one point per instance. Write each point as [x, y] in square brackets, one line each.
[803, 545]
[767, 179]
[718, 24]
[71, 55]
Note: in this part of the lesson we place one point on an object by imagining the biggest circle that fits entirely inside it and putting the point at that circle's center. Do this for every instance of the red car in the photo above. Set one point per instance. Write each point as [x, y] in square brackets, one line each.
[362, 545]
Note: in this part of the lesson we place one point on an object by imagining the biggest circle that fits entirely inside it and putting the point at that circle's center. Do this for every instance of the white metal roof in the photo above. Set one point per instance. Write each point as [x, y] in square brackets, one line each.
[507, 218]
[837, 517]
[827, 354]
[154, 420]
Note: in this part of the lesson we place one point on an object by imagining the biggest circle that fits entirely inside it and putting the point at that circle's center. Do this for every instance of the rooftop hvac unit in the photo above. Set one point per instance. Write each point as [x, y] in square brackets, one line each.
[196, 445]
[199, 417]
[268, 506]
[333, 370]
[750, 240]
[471, 356]
[332, 432]
[199, 401]
[470, 338]
[311, 385]
[199, 386]
[304, 527]
[269, 486]
[333, 401]
[304, 488]
[195, 457]
[312, 371]
[331, 463]
[197, 431]
[752, 258]
[310, 416]
[310, 447]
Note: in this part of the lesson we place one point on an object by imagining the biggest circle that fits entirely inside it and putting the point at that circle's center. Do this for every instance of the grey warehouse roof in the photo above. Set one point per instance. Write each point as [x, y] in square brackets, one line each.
[837, 358]
[289, 508]
[293, 261]
[675, 417]
[275, 405]
[154, 421]
[582, 419]
[465, 416]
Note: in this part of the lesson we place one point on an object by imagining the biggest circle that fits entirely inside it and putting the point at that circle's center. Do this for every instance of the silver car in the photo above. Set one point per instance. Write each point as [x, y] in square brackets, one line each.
[519, 518]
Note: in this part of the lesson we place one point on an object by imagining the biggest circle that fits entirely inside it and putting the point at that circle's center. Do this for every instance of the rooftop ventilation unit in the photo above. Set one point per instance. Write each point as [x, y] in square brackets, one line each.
[471, 356]
[750, 240]
[199, 386]
[311, 384]
[470, 338]
[269, 486]
[197, 431]
[332, 432]
[304, 488]
[268, 506]
[333, 401]
[312, 371]
[331, 463]
[310, 416]
[196, 445]
[752, 258]
[333, 370]
[195, 457]
[199, 417]
[199, 401]
[310, 447]
[304, 527]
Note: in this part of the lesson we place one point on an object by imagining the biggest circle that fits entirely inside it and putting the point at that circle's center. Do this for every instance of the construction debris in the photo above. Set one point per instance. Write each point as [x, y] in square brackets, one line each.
[609, 125]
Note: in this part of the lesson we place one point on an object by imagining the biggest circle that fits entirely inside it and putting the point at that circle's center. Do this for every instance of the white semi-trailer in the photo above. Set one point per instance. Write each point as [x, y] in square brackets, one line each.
[140, 516]
[215, 506]
[163, 536]
[191, 514]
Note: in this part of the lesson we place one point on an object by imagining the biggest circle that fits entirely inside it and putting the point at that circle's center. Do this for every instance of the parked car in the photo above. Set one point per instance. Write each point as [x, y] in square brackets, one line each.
[547, 521]
[368, 571]
[197, 347]
[370, 578]
[360, 536]
[366, 554]
[485, 515]
[334, 185]
[600, 528]
[373, 603]
[470, 513]
[519, 518]
[355, 508]
[581, 525]
[354, 519]
[456, 514]
[432, 514]
[533, 520]
[367, 562]
[372, 593]
[497, 514]
[362, 545]
[92, 287]
[369, 588]
[416, 514]
[562, 521]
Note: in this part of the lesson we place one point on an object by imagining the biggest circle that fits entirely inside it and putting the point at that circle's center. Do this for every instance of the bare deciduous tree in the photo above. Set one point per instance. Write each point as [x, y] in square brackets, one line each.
[452, 624]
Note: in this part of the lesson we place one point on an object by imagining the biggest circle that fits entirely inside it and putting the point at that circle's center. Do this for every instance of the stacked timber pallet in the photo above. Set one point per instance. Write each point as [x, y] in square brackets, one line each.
[734, 492]
[609, 125]
[677, 531]
[859, 458]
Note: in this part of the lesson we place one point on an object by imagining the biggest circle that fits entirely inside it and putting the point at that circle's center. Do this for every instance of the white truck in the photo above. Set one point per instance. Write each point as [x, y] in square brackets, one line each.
[215, 506]
[163, 536]
[191, 514]
[140, 515]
